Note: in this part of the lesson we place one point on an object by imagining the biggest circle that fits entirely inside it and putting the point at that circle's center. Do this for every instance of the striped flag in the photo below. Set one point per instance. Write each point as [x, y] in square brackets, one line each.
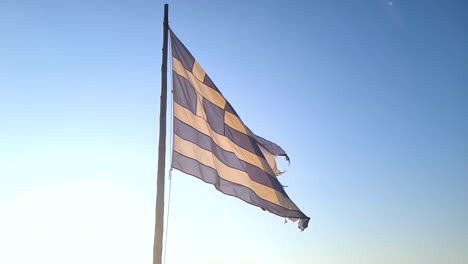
[212, 143]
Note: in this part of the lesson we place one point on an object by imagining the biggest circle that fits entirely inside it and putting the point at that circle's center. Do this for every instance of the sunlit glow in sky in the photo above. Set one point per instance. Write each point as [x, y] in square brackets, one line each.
[76, 223]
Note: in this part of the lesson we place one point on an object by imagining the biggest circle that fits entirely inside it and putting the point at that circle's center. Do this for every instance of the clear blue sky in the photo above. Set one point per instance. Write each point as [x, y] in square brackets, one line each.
[369, 99]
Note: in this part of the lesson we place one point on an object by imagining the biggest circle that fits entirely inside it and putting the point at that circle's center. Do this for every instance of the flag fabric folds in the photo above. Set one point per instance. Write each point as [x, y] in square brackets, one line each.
[212, 143]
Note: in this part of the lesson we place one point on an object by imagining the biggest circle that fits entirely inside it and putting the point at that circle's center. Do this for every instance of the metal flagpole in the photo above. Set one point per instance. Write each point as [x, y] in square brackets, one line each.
[159, 224]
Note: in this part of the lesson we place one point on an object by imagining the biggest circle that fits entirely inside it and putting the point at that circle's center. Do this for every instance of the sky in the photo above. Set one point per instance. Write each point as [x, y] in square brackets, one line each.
[368, 98]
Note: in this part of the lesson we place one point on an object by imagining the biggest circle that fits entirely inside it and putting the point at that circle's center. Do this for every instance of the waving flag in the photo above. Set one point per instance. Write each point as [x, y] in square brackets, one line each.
[213, 144]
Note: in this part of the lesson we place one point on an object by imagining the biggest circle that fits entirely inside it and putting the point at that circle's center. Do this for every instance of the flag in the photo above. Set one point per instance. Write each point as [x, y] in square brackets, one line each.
[213, 144]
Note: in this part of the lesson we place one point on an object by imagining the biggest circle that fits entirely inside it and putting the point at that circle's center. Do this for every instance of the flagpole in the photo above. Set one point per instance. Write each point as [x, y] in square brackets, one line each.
[159, 223]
